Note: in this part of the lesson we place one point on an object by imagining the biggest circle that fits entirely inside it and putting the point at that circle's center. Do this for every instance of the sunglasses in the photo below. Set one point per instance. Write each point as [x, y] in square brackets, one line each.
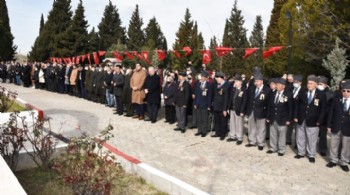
[347, 91]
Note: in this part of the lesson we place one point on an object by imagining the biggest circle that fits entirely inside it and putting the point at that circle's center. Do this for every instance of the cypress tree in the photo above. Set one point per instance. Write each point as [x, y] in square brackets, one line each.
[94, 44]
[215, 61]
[42, 23]
[110, 28]
[7, 49]
[154, 33]
[135, 33]
[256, 39]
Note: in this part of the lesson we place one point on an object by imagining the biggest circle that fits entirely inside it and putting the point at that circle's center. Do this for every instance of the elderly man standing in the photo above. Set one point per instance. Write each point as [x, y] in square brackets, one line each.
[152, 90]
[138, 94]
[309, 113]
[182, 96]
[338, 124]
[118, 83]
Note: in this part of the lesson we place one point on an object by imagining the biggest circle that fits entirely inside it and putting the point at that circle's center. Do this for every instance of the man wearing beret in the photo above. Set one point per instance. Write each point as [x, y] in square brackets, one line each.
[279, 115]
[182, 96]
[338, 124]
[297, 81]
[237, 103]
[220, 106]
[202, 103]
[257, 111]
[310, 111]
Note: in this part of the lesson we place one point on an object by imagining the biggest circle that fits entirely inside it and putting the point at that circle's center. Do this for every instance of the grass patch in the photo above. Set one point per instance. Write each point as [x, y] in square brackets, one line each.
[16, 107]
[39, 182]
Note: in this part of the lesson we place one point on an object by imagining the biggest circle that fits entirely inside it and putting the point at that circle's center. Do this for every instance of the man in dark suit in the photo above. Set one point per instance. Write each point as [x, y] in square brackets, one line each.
[202, 103]
[127, 93]
[220, 106]
[118, 83]
[338, 124]
[107, 83]
[279, 115]
[309, 113]
[152, 90]
[182, 96]
[237, 103]
[256, 111]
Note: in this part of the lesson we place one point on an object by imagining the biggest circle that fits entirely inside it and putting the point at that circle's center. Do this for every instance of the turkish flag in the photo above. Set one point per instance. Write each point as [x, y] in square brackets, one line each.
[117, 56]
[206, 56]
[77, 60]
[129, 55]
[161, 55]
[188, 50]
[88, 57]
[96, 59]
[101, 53]
[271, 51]
[83, 58]
[249, 51]
[223, 51]
[144, 54]
[177, 54]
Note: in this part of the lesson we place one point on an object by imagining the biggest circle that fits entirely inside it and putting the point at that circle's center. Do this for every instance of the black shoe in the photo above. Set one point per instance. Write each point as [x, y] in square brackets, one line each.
[177, 129]
[270, 152]
[331, 165]
[203, 135]
[115, 113]
[147, 119]
[183, 130]
[222, 138]
[198, 134]
[344, 168]
[289, 143]
[250, 145]
[215, 135]
[298, 156]
[127, 115]
[231, 139]
[280, 154]
[311, 160]
[239, 142]
[166, 121]
[153, 121]
[260, 148]
[171, 123]
[193, 127]
[323, 154]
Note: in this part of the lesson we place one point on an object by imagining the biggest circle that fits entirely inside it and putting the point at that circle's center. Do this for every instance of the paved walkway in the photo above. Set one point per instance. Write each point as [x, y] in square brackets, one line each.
[206, 163]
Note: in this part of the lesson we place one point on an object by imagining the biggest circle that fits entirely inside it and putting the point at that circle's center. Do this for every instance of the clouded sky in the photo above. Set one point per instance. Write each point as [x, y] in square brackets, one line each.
[209, 14]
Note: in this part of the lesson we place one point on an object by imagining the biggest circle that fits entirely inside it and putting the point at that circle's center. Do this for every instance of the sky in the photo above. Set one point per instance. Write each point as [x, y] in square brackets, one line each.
[209, 14]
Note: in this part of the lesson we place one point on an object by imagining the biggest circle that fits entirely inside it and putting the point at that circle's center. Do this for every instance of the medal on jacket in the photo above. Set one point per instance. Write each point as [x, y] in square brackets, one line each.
[220, 92]
[316, 102]
[181, 88]
[204, 92]
[240, 94]
[262, 97]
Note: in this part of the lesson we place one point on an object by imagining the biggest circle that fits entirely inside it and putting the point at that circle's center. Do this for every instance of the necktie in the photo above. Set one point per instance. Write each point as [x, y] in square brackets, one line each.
[309, 98]
[257, 92]
[277, 97]
[345, 106]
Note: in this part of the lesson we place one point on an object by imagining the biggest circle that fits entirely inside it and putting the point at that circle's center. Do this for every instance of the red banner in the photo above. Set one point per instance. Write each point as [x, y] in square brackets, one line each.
[206, 56]
[223, 51]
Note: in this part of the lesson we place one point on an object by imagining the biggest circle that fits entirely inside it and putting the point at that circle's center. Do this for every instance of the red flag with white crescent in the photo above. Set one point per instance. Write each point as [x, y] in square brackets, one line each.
[206, 56]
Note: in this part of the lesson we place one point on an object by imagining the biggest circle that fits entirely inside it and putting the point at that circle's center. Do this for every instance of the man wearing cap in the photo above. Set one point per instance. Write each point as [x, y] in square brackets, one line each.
[182, 96]
[297, 81]
[338, 124]
[309, 113]
[323, 86]
[237, 103]
[202, 103]
[279, 115]
[257, 111]
[220, 106]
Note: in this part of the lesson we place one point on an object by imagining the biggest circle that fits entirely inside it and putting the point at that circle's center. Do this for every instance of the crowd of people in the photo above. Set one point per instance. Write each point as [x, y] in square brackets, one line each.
[273, 110]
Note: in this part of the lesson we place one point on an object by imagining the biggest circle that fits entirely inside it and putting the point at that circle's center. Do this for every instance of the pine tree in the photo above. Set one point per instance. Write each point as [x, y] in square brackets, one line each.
[58, 20]
[336, 63]
[188, 35]
[154, 35]
[256, 39]
[74, 41]
[94, 44]
[236, 38]
[110, 28]
[42, 23]
[276, 64]
[135, 33]
[215, 61]
[7, 49]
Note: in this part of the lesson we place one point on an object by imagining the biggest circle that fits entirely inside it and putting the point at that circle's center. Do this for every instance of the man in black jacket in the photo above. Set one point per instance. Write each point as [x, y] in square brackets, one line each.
[338, 124]
[118, 83]
[152, 90]
[256, 110]
[182, 96]
[237, 103]
[309, 113]
[279, 115]
[108, 77]
[220, 106]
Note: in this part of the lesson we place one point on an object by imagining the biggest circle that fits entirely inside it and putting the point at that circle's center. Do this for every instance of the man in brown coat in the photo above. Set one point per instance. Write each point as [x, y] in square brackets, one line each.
[138, 94]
